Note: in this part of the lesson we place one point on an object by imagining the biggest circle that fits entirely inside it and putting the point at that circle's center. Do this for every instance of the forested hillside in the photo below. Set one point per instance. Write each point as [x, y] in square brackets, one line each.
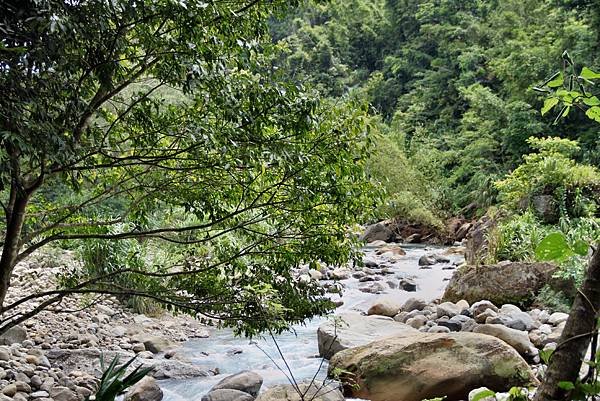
[408, 188]
[449, 84]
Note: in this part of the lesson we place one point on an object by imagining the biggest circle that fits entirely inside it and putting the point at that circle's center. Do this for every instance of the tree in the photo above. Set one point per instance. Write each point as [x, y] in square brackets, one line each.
[567, 89]
[164, 121]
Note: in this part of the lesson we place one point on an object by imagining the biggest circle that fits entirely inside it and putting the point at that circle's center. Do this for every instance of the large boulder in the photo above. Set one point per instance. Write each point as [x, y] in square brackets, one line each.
[246, 381]
[286, 392]
[352, 330]
[508, 282]
[145, 390]
[378, 232]
[428, 365]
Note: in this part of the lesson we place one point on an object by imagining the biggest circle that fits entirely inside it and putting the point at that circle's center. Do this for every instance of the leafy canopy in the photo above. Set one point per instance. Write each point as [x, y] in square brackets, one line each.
[165, 122]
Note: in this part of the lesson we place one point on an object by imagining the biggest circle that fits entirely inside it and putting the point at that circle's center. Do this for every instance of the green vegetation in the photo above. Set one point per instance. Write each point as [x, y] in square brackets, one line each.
[157, 138]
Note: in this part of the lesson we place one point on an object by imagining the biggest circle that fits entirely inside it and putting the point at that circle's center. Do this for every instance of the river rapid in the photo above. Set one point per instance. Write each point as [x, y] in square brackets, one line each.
[230, 355]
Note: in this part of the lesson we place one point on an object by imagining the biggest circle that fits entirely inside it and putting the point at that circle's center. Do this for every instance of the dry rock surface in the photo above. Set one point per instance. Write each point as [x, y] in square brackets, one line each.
[55, 356]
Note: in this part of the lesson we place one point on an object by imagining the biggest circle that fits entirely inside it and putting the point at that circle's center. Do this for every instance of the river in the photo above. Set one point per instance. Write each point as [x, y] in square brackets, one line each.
[230, 354]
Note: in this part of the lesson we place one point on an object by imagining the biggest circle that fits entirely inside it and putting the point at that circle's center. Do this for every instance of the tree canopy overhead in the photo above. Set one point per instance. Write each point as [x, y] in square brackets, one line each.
[168, 121]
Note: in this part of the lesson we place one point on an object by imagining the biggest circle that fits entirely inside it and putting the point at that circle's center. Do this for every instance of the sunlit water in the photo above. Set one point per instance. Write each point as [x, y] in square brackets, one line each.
[300, 348]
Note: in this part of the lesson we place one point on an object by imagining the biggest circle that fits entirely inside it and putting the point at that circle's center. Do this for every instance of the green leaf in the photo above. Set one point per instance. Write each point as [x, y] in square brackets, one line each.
[580, 247]
[593, 113]
[553, 247]
[545, 355]
[549, 104]
[483, 394]
[566, 386]
[586, 73]
[566, 111]
[556, 82]
[591, 101]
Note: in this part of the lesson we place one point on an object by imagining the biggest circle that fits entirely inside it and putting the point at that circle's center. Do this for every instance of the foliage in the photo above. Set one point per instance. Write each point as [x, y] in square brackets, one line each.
[451, 80]
[550, 171]
[166, 122]
[408, 192]
[114, 382]
[518, 237]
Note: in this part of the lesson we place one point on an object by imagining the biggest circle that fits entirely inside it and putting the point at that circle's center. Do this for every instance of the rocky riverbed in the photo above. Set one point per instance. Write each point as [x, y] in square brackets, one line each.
[397, 292]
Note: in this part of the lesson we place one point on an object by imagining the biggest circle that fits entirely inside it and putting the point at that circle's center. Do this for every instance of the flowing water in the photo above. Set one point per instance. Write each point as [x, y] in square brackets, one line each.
[300, 348]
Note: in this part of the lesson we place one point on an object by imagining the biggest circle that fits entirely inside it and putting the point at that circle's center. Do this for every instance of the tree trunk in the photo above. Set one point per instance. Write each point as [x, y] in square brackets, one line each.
[566, 360]
[12, 240]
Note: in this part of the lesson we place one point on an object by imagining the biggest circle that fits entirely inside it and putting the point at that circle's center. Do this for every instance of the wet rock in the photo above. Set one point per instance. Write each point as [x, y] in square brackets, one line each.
[427, 260]
[372, 288]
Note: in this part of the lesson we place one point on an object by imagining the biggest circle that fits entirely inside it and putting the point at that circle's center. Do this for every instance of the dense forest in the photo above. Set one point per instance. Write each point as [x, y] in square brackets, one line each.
[449, 85]
[245, 163]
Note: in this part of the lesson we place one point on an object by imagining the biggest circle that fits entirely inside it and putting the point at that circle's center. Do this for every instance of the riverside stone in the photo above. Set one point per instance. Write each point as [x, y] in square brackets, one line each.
[246, 381]
[354, 330]
[422, 366]
[146, 389]
[517, 339]
[501, 283]
[385, 306]
[227, 395]
[286, 392]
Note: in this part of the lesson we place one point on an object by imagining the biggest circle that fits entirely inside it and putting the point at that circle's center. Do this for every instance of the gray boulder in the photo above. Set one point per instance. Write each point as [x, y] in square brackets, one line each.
[517, 339]
[227, 395]
[428, 365]
[145, 390]
[246, 381]
[503, 283]
[286, 392]
[378, 232]
[16, 334]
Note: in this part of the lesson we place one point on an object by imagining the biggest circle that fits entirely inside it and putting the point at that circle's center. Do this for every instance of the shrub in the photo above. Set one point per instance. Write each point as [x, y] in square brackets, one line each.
[553, 171]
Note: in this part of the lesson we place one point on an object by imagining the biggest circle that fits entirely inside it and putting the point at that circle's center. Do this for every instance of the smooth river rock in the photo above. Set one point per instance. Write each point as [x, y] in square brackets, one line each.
[285, 392]
[517, 339]
[146, 389]
[246, 381]
[428, 365]
[353, 330]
